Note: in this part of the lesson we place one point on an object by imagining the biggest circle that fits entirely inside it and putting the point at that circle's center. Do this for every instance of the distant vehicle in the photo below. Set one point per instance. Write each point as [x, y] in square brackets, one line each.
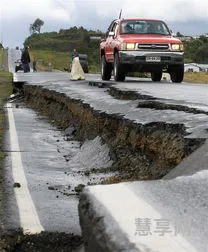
[141, 45]
[83, 59]
[18, 65]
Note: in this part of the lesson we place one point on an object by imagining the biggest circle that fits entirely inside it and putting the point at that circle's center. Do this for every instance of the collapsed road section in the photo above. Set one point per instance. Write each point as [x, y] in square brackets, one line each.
[139, 151]
[147, 138]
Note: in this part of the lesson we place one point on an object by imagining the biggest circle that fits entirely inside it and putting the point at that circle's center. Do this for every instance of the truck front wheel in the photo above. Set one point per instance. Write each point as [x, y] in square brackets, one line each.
[177, 73]
[106, 69]
[119, 74]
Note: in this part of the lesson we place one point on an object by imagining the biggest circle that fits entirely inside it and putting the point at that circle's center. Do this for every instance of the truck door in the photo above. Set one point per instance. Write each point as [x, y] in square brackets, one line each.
[110, 42]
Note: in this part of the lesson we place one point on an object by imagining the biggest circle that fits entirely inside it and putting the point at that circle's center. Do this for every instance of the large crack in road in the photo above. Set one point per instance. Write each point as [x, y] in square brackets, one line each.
[139, 151]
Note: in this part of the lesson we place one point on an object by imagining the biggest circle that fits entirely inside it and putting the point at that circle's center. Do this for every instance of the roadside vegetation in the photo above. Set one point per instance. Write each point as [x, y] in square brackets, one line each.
[201, 77]
[196, 50]
[1, 55]
[5, 91]
[56, 47]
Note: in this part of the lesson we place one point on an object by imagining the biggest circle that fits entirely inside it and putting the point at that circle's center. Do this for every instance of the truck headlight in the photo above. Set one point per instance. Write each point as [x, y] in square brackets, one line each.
[177, 47]
[128, 46]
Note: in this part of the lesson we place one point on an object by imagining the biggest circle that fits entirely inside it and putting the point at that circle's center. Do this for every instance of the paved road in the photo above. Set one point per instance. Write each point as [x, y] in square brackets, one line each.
[13, 55]
[45, 163]
[186, 95]
[161, 198]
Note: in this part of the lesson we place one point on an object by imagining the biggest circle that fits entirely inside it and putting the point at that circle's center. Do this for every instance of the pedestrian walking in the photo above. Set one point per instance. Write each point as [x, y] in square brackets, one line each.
[25, 59]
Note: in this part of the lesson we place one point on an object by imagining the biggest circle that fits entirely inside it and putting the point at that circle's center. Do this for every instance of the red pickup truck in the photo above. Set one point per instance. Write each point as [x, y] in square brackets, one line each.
[141, 45]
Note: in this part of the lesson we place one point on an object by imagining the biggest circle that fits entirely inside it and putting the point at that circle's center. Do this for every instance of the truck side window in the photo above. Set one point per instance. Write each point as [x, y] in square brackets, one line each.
[114, 28]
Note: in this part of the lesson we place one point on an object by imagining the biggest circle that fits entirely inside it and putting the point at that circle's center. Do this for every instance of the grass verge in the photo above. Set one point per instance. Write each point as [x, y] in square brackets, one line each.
[201, 78]
[1, 55]
[5, 91]
[59, 60]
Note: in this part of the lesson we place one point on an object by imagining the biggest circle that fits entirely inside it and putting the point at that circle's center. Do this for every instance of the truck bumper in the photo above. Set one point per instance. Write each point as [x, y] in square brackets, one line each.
[147, 58]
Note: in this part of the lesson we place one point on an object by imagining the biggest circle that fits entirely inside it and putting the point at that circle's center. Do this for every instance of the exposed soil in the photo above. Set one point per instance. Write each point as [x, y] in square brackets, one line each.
[139, 151]
[16, 241]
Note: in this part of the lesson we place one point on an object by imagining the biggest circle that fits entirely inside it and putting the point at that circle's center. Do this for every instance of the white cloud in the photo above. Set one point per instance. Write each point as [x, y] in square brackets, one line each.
[45, 9]
[17, 15]
[171, 10]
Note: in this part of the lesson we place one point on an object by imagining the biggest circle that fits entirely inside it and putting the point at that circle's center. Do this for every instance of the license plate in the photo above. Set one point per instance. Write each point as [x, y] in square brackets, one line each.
[153, 59]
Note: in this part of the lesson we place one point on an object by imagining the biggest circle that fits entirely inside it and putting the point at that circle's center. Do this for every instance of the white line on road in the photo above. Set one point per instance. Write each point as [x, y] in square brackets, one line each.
[29, 219]
[126, 212]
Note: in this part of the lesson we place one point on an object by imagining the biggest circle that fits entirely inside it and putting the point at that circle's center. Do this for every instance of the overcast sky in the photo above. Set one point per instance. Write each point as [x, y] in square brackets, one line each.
[190, 17]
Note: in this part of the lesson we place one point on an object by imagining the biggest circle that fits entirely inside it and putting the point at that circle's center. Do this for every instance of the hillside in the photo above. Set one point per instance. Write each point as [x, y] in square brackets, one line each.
[56, 47]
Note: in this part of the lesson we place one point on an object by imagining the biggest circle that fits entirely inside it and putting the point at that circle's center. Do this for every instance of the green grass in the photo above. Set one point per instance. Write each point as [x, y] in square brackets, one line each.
[196, 77]
[5, 91]
[59, 60]
[1, 55]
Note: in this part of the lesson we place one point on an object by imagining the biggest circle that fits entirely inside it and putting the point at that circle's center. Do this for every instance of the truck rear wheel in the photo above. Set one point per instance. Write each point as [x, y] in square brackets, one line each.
[156, 76]
[119, 74]
[106, 69]
[177, 73]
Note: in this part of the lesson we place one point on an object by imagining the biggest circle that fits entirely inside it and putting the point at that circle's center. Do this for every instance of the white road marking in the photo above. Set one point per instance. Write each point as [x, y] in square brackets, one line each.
[29, 219]
[125, 212]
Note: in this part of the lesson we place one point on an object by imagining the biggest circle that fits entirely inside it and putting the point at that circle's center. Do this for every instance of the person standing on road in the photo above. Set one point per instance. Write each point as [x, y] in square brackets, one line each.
[77, 72]
[25, 59]
[75, 54]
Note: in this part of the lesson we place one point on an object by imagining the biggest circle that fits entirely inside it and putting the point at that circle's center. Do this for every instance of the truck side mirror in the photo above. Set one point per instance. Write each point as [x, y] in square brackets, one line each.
[111, 34]
[172, 33]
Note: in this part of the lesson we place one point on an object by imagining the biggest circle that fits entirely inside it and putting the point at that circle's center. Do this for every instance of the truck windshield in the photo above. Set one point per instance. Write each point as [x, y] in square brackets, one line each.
[144, 27]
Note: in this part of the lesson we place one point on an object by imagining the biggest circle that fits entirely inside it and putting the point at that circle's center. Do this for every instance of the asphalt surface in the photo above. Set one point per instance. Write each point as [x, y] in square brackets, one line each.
[43, 168]
[185, 94]
[180, 198]
[13, 55]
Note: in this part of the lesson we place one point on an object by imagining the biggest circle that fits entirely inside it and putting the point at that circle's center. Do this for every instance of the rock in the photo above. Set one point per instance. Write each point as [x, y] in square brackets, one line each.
[87, 173]
[51, 188]
[71, 130]
[17, 185]
[79, 188]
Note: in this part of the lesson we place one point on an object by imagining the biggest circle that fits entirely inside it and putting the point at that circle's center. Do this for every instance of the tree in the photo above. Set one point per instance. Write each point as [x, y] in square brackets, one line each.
[196, 50]
[35, 27]
[178, 34]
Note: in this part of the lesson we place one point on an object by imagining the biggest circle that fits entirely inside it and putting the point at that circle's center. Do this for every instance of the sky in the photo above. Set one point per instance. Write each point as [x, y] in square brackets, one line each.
[189, 17]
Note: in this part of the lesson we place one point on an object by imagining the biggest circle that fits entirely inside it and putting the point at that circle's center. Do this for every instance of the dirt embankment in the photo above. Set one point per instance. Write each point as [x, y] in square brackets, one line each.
[138, 151]
[17, 241]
